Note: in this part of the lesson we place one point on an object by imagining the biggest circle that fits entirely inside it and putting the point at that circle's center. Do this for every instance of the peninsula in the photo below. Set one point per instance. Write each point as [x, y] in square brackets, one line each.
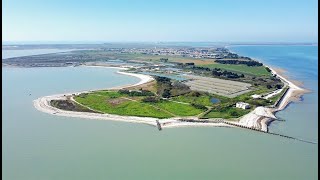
[180, 86]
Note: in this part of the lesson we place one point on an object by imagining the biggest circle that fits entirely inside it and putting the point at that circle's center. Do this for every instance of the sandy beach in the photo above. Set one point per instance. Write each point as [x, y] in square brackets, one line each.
[259, 118]
[294, 92]
[43, 104]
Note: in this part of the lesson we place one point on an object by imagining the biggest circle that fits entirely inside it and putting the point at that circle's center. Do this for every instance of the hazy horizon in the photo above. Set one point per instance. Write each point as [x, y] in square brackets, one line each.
[151, 42]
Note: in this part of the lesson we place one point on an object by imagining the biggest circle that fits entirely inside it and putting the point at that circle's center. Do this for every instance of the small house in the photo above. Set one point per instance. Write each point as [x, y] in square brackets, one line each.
[242, 105]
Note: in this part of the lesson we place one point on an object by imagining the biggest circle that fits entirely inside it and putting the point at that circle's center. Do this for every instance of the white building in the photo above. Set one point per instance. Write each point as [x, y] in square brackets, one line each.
[242, 105]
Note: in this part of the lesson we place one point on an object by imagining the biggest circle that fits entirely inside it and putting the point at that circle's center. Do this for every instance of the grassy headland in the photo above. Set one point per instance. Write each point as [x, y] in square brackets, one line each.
[165, 97]
[164, 103]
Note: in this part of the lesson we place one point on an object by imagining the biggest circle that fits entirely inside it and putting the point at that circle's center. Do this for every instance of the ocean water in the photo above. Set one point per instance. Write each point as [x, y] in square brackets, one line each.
[37, 145]
[301, 64]
[28, 52]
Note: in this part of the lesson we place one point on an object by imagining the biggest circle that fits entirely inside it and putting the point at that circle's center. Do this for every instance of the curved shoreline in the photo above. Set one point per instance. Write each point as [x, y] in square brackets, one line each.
[262, 117]
[293, 94]
[259, 118]
[43, 104]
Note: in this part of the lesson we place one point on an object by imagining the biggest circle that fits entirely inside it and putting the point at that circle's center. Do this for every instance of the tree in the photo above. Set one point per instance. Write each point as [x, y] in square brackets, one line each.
[278, 86]
[268, 69]
[195, 94]
[164, 59]
[166, 93]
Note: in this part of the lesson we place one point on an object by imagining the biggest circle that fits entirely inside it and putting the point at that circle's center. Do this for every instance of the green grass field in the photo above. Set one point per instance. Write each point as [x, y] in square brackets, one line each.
[187, 98]
[178, 108]
[244, 69]
[123, 107]
[113, 102]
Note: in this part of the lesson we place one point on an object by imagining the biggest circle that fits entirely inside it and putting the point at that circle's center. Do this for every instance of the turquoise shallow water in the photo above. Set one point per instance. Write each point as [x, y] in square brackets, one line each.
[41, 146]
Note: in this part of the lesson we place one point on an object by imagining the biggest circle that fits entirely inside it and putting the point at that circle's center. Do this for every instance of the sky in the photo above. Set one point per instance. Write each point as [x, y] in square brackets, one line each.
[165, 20]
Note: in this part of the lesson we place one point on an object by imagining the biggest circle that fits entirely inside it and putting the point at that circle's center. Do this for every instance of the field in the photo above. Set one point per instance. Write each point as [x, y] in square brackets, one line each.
[112, 103]
[244, 69]
[223, 109]
[178, 109]
[202, 99]
[115, 103]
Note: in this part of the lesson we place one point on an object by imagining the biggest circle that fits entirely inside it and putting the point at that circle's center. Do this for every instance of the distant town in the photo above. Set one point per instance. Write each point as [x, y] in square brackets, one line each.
[209, 53]
[82, 54]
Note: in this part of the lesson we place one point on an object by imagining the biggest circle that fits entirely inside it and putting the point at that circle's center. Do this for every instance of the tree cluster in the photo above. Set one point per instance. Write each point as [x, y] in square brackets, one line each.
[277, 86]
[162, 79]
[226, 74]
[219, 72]
[268, 69]
[199, 106]
[248, 63]
[166, 88]
[164, 59]
[166, 93]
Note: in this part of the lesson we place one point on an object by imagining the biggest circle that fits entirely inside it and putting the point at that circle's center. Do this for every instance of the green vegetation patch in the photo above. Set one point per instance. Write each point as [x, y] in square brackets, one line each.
[168, 88]
[227, 113]
[193, 97]
[247, 96]
[178, 109]
[113, 104]
[244, 69]
[189, 104]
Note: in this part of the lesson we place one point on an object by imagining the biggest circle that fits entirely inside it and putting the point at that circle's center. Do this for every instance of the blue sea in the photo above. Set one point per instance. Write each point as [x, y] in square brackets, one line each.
[301, 64]
[37, 145]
